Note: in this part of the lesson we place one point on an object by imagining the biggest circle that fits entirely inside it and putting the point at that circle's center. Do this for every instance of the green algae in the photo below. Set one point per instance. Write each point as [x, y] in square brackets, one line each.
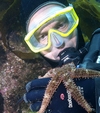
[12, 31]
[89, 15]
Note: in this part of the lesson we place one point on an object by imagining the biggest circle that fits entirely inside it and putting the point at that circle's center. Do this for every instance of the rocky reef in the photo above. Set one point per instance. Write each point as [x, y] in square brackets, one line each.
[18, 64]
[14, 74]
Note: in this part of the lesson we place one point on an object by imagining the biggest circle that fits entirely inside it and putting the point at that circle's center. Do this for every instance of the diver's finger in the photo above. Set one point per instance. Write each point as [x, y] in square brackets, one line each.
[34, 95]
[35, 106]
[37, 84]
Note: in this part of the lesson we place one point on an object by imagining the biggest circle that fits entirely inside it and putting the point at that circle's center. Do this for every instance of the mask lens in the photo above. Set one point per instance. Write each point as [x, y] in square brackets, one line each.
[59, 23]
[63, 23]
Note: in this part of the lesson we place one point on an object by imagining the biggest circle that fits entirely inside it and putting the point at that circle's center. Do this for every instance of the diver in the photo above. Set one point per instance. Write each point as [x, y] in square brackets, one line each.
[53, 31]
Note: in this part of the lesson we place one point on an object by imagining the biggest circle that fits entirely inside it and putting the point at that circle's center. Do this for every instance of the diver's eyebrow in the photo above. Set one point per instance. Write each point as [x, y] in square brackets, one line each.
[44, 29]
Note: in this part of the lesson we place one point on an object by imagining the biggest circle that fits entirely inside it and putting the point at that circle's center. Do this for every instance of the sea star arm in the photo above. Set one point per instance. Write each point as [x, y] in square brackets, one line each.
[66, 73]
[50, 90]
[71, 86]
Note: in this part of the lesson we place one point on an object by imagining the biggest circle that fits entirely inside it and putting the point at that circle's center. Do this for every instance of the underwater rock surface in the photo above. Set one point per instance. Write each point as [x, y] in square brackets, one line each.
[17, 66]
[14, 71]
[14, 74]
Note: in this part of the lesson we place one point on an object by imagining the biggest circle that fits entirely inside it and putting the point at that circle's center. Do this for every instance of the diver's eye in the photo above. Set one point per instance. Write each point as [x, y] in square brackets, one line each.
[43, 38]
[62, 27]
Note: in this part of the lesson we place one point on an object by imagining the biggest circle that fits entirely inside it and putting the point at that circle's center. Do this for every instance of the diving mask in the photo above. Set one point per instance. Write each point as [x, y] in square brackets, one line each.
[63, 24]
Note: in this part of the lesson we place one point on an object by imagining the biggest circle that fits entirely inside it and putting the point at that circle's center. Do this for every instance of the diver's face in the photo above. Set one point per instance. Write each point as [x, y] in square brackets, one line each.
[60, 24]
[53, 52]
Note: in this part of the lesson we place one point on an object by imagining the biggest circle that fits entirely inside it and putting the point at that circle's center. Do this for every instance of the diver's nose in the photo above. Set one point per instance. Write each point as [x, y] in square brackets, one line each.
[57, 40]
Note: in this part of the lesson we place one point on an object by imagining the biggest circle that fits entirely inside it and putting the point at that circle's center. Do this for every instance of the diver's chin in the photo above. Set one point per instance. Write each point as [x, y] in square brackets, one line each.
[54, 59]
[57, 59]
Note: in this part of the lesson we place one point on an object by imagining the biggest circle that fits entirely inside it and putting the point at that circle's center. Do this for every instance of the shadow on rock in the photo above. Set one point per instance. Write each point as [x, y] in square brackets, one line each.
[1, 104]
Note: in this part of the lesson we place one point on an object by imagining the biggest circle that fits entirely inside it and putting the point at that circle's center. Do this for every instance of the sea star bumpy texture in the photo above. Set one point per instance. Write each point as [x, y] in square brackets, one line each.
[66, 74]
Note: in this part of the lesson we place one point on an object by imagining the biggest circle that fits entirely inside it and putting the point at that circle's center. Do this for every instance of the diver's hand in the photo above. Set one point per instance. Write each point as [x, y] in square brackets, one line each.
[61, 100]
[35, 92]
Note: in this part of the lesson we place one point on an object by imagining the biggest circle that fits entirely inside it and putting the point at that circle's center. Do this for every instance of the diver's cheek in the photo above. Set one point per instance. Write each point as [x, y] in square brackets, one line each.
[71, 42]
[53, 55]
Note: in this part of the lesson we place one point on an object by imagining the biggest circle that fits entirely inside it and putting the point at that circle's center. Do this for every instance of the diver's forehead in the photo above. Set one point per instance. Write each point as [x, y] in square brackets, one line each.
[53, 23]
[42, 14]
